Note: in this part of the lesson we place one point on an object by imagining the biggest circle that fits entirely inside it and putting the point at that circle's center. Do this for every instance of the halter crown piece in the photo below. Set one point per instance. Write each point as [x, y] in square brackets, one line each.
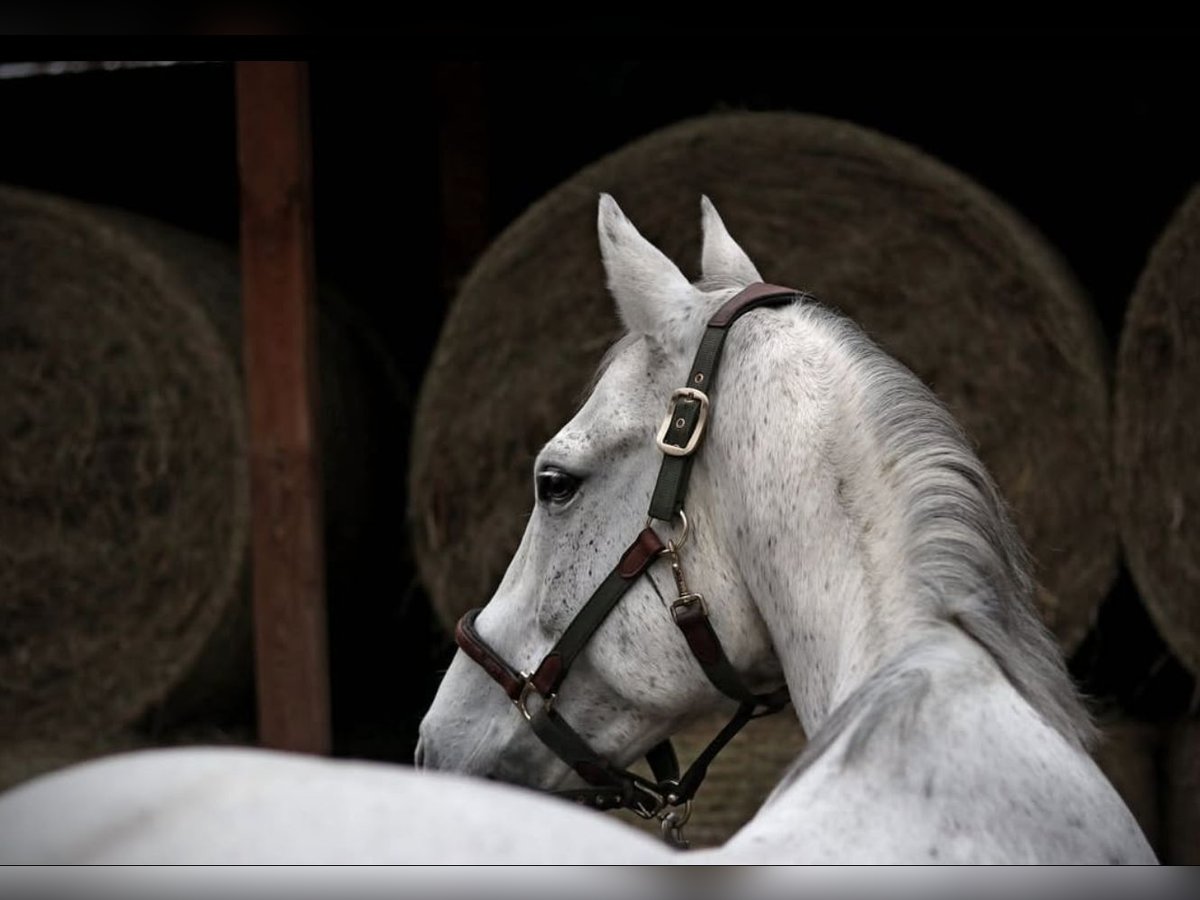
[667, 798]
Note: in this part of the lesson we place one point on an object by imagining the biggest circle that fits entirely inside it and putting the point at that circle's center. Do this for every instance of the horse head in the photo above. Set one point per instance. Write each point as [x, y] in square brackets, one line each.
[635, 679]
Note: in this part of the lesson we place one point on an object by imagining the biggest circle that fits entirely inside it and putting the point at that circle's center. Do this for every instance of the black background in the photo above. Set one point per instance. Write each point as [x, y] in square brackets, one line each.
[443, 136]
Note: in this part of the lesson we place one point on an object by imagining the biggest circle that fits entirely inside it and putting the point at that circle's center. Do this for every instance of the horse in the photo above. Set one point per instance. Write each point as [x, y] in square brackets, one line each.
[854, 555]
[853, 548]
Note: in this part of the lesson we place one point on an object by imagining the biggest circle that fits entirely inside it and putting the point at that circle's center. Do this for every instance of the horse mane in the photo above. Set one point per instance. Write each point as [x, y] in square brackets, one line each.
[967, 563]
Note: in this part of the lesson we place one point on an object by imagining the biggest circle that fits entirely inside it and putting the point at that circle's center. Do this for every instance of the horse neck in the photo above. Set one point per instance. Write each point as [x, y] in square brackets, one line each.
[822, 577]
[867, 533]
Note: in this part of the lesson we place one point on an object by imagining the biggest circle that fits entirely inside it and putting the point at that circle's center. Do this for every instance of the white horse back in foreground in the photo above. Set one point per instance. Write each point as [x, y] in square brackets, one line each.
[245, 806]
[848, 544]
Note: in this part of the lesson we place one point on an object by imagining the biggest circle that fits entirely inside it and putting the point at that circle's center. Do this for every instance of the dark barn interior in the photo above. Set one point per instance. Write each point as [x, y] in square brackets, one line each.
[419, 162]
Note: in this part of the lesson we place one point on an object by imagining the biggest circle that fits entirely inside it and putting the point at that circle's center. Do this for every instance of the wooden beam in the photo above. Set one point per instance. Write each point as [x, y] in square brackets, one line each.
[274, 162]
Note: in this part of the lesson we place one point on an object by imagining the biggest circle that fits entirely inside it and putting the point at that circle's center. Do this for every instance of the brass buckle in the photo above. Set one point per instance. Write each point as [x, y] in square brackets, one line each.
[671, 421]
[521, 701]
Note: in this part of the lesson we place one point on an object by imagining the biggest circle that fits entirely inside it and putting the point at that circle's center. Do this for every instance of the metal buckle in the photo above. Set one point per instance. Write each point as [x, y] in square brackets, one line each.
[643, 809]
[672, 420]
[687, 601]
[520, 702]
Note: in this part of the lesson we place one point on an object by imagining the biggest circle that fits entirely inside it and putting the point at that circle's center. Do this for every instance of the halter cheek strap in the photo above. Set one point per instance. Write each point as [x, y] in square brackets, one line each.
[680, 436]
[634, 562]
[620, 787]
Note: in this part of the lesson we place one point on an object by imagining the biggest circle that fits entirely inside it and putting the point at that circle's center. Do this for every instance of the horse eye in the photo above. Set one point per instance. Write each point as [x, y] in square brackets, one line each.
[556, 486]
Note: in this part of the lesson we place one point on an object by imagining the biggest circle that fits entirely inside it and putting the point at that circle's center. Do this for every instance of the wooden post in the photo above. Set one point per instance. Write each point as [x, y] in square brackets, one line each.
[274, 162]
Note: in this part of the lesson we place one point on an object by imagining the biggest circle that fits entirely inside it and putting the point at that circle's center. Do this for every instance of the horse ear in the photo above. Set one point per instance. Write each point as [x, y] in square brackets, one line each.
[722, 260]
[647, 287]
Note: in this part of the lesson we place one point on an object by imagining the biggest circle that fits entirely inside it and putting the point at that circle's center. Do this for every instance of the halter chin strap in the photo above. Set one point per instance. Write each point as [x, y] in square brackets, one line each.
[679, 437]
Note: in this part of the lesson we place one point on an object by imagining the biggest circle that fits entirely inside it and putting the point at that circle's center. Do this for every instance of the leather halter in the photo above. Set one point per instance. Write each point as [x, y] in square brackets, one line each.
[679, 438]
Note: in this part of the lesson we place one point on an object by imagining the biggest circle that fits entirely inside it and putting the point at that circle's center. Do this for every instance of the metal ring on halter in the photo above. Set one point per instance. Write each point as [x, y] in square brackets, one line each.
[674, 545]
[547, 702]
[672, 825]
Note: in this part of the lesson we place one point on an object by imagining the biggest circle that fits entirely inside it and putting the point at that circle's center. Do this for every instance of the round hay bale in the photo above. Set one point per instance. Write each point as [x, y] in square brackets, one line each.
[124, 495]
[1157, 434]
[739, 779]
[1128, 754]
[1181, 795]
[123, 481]
[27, 759]
[940, 272]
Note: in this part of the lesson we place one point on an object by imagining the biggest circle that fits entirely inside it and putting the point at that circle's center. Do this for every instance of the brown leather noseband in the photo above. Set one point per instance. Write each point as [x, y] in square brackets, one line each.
[679, 439]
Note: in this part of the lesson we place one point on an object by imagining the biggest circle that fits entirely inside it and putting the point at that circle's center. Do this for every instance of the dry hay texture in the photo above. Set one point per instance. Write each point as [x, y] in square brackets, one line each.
[122, 481]
[1157, 434]
[1181, 794]
[740, 778]
[942, 274]
[1128, 754]
[23, 760]
[124, 496]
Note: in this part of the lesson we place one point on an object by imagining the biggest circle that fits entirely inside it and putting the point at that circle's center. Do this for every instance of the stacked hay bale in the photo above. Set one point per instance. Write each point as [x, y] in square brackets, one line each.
[941, 273]
[740, 779]
[1157, 455]
[124, 497]
[1128, 753]
[1157, 434]
[123, 476]
[1181, 793]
